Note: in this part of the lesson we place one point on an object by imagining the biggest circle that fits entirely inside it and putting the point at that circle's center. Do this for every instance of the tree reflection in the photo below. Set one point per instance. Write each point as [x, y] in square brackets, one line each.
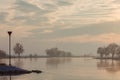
[18, 63]
[2, 60]
[5, 78]
[55, 62]
[108, 65]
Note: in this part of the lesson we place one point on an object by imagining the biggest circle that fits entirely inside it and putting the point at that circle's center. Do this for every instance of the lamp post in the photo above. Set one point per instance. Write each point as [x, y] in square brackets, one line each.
[9, 33]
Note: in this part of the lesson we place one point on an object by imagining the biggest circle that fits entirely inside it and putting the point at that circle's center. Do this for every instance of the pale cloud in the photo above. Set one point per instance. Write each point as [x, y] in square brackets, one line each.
[56, 14]
[50, 12]
[23, 31]
[85, 12]
[6, 6]
[107, 12]
[47, 31]
[18, 32]
[103, 38]
[61, 12]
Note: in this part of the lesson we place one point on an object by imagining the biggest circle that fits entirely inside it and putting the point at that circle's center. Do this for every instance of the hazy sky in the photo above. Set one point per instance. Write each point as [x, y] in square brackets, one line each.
[78, 26]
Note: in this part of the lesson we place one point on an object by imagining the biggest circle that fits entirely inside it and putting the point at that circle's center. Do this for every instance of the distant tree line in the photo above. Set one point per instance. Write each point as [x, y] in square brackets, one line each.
[3, 54]
[54, 52]
[18, 49]
[110, 51]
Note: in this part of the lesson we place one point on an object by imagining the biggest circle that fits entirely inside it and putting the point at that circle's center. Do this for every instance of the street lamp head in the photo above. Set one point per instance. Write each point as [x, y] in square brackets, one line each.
[9, 32]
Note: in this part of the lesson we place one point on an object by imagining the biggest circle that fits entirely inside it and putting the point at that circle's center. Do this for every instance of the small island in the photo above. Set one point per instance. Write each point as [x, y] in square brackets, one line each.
[55, 52]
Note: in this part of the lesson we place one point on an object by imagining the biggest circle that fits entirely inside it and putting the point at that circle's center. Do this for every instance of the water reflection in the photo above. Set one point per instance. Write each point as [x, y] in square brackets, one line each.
[110, 66]
[6, 78]
[2, 60]
[18, 63]
[55, 62]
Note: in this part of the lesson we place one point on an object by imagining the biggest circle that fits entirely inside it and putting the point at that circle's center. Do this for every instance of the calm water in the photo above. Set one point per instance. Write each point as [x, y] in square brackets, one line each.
[67, 69]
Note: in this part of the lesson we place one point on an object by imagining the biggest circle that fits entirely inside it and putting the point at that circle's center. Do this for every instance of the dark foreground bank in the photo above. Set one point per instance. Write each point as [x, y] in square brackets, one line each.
[12, 70]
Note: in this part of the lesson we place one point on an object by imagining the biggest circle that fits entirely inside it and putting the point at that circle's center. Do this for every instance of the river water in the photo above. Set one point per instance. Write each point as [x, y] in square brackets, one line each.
[66, 69]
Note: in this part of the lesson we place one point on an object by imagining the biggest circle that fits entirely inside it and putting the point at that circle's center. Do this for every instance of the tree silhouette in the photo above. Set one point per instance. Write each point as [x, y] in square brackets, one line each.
[18, 49]
[118, 52]
[112, 49]
[101, 51]
[2, 54]
[57, 53]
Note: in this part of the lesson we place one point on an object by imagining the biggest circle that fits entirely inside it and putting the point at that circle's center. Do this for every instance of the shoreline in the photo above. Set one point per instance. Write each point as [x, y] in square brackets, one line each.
[47, 57]
[110, 58]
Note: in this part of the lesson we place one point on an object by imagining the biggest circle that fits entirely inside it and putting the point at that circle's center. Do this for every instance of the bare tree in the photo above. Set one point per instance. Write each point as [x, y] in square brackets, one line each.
[112, 49]
[118, 52]
[101, 51]
[18, 49]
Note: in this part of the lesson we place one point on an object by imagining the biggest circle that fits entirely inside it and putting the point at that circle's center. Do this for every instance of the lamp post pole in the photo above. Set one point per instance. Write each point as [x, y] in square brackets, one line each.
[9, 33]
